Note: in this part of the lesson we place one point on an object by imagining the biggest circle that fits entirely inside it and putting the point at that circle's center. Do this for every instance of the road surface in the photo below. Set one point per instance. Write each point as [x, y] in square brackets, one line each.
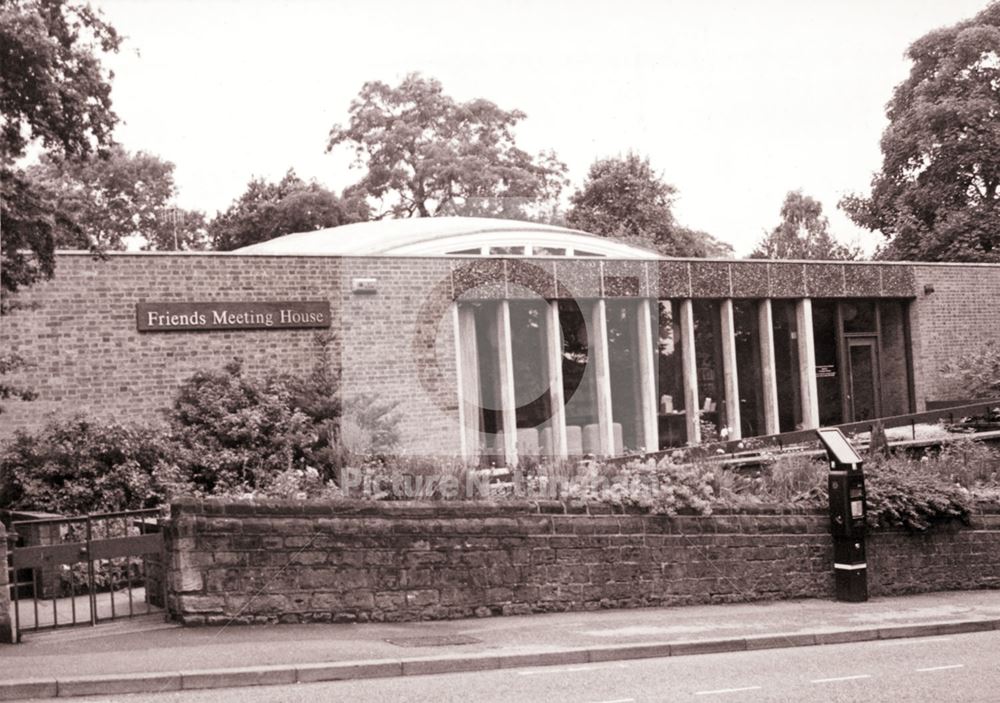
[952, 668]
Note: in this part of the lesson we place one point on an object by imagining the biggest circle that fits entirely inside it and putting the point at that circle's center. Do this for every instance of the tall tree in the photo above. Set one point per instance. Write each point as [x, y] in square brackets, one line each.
[54, 93]
[269, 210]
[936, 195]
[117, 199]
[626, 199]
[804, 233]
[426, 154]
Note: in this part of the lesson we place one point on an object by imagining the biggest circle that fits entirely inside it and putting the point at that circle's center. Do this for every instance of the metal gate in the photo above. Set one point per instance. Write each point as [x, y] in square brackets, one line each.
[85, 570]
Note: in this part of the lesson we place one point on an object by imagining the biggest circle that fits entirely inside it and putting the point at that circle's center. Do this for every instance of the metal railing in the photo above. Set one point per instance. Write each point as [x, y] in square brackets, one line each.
[786, 439]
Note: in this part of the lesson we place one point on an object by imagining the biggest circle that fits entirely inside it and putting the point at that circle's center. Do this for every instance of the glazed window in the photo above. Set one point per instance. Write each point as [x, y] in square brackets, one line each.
[670, 377]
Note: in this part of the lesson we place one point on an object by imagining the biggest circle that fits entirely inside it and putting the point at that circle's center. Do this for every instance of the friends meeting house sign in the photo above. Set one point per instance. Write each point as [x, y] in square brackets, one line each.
[177, 317]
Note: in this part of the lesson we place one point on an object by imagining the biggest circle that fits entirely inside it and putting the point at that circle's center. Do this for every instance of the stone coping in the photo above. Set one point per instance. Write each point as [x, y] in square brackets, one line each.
[446, 509]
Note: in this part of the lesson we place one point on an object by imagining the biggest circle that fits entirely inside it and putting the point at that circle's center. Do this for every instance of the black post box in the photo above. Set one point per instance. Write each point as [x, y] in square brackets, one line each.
[847, 516]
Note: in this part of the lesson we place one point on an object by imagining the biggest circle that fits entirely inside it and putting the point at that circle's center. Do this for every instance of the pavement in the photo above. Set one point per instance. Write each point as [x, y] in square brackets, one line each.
[148, 655]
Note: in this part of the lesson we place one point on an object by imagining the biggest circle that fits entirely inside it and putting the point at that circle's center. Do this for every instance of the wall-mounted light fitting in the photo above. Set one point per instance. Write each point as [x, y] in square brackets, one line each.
[364, 285]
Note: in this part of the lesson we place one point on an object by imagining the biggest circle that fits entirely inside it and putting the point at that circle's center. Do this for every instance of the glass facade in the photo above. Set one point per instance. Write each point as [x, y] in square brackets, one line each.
[708, 360]
[671, 415]
[862, 369]
[490, 442]
[623, 365]
[531, 377]
[786, 365]
[579, 377]
[861, 354]
[748, 366]
[827, 341]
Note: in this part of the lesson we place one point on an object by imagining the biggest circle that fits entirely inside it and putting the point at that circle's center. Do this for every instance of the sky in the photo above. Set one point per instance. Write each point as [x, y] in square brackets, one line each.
[735, 103]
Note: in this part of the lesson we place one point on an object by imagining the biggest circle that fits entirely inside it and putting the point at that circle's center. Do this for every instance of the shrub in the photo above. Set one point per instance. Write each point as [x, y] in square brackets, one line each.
[664, 488]
[795, 478]
[977, 372]
[968, 463]
[294, 484]
[370, 427]
[234, 433]
[906, 493]
[78, 466]
[317, 396]
[413, 478]
[238, 435]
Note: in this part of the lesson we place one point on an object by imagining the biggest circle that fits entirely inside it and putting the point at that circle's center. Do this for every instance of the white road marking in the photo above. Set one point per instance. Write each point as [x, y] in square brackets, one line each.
[619, 700]
[897, 643]
[842, 678]
[726, 690]
[568, 669]
[942, 668]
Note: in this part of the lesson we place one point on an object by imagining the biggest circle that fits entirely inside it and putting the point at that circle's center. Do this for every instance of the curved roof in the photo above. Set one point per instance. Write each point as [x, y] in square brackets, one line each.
[441, 236]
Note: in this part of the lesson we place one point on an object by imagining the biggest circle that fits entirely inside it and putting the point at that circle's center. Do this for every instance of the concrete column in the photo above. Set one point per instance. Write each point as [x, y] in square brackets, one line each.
[469, 398]
[690, 369]
[602, 376]
[807, 364]
[507, 399]
[769, 374]
[554, 347]
[730, 375]
[647, 376]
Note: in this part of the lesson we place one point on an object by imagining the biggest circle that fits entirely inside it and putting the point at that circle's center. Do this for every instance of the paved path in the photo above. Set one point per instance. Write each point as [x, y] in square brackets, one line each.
[148, 647]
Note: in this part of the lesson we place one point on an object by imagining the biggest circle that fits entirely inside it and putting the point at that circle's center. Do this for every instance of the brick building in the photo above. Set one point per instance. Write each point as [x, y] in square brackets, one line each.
[476, 327]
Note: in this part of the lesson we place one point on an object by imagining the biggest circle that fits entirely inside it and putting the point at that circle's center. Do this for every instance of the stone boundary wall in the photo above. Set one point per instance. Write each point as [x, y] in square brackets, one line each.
[360, 561]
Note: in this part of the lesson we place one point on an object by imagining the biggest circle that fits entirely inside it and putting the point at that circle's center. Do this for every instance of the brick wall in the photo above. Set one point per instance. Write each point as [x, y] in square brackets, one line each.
[399, 344]
[962, 314]
[86, 355]
[350, 562]
[78, 332]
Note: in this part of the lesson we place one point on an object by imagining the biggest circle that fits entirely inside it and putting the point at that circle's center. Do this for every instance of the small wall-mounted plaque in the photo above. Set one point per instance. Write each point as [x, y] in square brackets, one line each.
[364, 285]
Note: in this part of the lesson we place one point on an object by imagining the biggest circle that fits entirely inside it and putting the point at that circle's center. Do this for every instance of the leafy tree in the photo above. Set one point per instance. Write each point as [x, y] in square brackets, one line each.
[427, 155]
[804, 233]
[625, 199]
[936, 196]
[116, 198]
[9, 363]
[178, 229]
[269, 210]
[30, 225]
[54, 93]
